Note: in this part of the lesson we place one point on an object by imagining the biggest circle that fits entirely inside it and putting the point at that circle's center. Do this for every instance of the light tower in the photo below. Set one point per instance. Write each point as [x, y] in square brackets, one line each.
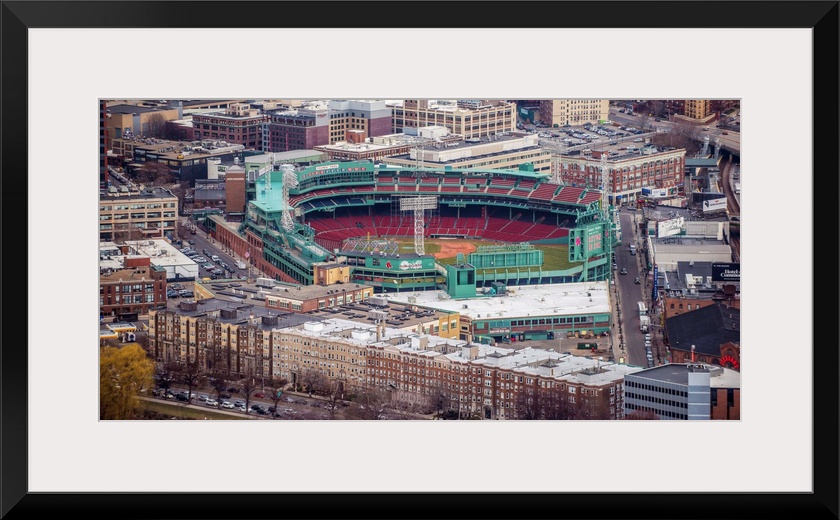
[289, 181]
[605, 209]
[418, 205]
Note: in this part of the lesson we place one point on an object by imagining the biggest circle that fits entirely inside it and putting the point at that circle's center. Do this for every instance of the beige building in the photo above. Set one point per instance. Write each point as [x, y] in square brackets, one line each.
[574, 112]
[122, 120]
[152, 213]
[698, 108]
[467, 118]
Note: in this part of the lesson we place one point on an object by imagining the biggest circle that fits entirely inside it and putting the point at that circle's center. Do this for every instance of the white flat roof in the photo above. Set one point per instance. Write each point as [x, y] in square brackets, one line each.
[521, 301]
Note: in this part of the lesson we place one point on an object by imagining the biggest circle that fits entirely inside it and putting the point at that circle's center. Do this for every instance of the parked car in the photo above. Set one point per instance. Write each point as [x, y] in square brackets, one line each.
[228, 405]
[225, 395]
[259, 395]
[211, 402]
[623, 270]
[637, 281]
[233, 390]
[238, 403]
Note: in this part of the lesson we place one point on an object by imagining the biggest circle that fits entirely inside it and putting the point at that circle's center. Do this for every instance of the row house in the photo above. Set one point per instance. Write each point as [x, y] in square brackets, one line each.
[473, 381]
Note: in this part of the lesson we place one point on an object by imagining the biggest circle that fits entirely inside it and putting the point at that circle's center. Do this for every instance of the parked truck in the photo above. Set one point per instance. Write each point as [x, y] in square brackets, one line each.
[241, 265]
[644, 323]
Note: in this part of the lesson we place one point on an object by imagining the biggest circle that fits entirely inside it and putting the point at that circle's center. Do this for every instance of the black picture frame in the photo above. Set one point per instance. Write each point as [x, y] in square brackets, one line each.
[15, 500]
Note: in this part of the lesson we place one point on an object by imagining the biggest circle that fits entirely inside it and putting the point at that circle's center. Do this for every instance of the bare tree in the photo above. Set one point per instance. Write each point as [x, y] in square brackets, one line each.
[370, 405]
[248, 385]
[166, 374]
[219, 385]
[125, 235]
[275, 386]
[333, 400]
[154, 173]
[314, 380]
[191, 375]
[527, 403]
[157, 125]
[143, 341]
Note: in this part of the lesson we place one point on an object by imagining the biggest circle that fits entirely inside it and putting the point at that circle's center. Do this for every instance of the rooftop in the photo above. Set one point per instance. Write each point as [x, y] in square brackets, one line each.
[241, 289]
[677, 373]
[159, 250]
[523, 300]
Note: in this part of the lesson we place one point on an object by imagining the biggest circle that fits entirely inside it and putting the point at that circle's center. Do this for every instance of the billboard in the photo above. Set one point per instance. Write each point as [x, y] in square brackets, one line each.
[656, 193]
[667, 228]
[726, 272]
[588, 241]
[714, 205]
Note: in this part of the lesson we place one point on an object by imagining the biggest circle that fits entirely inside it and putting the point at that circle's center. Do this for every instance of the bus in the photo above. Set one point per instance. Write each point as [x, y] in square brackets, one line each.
[642, 309]
[127, 316]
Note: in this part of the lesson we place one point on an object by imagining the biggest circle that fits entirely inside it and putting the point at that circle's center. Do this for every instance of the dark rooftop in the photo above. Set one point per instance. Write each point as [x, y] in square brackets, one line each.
[706, 328]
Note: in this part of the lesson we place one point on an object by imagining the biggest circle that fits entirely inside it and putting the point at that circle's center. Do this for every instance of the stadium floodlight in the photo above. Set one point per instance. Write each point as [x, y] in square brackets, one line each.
[290, 180]
[418, 205]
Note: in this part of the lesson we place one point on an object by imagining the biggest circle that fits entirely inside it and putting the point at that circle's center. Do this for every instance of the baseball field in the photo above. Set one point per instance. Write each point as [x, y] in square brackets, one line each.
[445, 250]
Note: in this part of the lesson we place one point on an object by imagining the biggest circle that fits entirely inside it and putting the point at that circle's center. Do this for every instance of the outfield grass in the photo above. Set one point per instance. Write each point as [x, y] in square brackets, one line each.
[555, 256]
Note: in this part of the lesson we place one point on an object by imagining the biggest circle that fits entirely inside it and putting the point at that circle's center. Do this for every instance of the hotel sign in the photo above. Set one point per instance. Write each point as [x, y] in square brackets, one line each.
[726, 272]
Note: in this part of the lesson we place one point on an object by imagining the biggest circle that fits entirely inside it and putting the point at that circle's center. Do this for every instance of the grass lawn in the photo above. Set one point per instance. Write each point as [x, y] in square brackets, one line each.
[183, 412]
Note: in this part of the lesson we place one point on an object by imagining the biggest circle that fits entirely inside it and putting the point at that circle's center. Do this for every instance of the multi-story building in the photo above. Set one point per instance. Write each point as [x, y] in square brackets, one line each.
[283, 298]
[471, 380]
[371, 118]
[222, 337]
[503, 152]
[160, 252]
[238, 123]
[299, 128]
[187, 161]
[574, 112]
[103, 146]
[151, 213]
[471, 119]
[698, 108]
[126, 121]
[628, 172]
[683, 391]
[707, 334]
[137, 288]
[526, 312]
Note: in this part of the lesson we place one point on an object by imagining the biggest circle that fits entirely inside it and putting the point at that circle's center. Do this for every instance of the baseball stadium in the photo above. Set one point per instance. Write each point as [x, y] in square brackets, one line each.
[404, 229]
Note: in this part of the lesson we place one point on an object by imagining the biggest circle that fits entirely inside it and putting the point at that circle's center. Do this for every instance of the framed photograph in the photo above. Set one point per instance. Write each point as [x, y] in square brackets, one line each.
[59, 58]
